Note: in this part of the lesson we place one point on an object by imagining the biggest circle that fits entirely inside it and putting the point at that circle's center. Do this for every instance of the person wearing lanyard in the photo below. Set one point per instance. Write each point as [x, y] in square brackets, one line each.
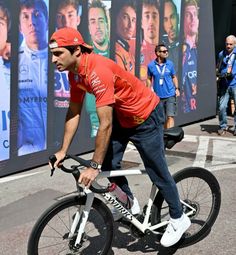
[163, 80]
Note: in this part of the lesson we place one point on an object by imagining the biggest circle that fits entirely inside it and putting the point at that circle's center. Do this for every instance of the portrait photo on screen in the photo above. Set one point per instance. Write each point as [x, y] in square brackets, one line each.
[124, 23]
[5, 75]
[68, 14]
[99, 33]
[171, 30]
[189, 82]
[99, 26]
[150, 29]
[32, 76]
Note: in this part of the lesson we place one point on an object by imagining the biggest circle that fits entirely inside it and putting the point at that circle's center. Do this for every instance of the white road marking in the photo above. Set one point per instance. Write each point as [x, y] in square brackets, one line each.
[13, 178]
[218, 168]
[223, 152]
[190, 138]
[201, 153]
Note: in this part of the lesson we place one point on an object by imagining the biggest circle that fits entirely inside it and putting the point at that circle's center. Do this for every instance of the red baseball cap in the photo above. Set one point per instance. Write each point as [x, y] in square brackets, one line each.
[67, 37]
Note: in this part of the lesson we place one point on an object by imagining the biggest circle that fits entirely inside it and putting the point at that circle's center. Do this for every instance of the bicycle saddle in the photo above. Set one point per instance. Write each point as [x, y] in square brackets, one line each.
[172, 136]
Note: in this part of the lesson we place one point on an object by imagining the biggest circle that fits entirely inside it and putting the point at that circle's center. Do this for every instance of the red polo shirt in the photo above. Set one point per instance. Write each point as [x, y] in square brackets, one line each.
[111, 85]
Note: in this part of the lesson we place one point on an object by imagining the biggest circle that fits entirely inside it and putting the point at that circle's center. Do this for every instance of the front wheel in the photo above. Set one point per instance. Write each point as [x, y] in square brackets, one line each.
[200, 189]
[50, 235]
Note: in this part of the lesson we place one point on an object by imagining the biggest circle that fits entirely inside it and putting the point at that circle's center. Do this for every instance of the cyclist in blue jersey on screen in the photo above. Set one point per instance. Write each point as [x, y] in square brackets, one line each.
[4, 82]
[32, 83]
[189, 69]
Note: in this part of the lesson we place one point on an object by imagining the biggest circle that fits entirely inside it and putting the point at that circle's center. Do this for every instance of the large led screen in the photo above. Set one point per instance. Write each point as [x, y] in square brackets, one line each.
[35, 96]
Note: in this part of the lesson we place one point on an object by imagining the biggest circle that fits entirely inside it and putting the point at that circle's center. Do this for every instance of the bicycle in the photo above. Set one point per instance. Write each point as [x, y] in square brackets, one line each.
[83, 223]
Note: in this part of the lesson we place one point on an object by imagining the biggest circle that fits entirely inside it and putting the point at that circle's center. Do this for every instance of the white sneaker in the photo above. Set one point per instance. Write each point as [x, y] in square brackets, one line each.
[135, 209]
[175, 230]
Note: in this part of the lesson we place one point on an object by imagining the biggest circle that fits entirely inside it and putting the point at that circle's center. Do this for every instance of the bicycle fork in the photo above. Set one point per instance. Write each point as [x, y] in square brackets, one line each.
[82, 217]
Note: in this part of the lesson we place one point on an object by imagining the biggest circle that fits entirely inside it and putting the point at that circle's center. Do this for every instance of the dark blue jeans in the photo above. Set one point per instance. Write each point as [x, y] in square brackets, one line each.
[225, 93]
[148, 139]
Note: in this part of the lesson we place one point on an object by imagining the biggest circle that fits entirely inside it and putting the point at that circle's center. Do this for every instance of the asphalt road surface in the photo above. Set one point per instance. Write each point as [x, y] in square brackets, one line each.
[24, 196]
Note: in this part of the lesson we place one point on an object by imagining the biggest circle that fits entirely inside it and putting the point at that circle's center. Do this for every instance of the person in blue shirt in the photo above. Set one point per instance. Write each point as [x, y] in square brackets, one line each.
[226, 72]
[163, 80]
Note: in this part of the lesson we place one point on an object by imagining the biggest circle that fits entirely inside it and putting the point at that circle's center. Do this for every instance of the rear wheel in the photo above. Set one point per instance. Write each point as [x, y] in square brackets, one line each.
[50, 235]
[200, 189]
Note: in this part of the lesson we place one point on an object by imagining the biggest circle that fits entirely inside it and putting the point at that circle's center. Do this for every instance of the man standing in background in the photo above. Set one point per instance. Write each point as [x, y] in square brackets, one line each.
[150, 27]
[171, 28]
[226, 69]
[162, 74]
[33, 68]
[4, 83]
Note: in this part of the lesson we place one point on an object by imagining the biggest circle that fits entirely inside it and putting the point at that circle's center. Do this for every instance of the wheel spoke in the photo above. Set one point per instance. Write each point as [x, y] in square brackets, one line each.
[200, 189]
[51, 235]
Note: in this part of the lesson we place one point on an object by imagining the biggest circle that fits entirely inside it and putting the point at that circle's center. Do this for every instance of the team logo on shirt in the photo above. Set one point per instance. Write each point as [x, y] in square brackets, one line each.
[23, 69]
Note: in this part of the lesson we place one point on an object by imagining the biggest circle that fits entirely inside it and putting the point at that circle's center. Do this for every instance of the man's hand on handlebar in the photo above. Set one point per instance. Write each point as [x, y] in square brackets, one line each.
[60, 156]
[88, 176]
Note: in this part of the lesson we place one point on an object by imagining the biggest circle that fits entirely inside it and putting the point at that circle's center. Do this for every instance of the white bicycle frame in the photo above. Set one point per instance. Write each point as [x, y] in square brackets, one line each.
[82, 216]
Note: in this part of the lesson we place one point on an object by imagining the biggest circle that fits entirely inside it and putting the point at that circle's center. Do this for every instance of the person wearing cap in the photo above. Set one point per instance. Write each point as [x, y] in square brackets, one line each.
[33, 77]
[127, 111]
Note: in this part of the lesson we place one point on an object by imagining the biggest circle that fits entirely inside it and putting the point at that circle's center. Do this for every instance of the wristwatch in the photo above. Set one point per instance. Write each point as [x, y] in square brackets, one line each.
[95, 165]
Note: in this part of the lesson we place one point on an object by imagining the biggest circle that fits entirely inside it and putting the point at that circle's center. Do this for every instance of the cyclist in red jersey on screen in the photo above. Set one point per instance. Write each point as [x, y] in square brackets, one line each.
[127, 111]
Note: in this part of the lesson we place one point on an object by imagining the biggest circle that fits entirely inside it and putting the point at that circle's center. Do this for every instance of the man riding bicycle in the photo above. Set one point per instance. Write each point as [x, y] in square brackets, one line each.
[127, 111]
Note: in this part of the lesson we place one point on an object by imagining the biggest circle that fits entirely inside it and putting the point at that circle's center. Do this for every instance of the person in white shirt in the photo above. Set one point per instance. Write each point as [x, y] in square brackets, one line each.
[4, 83]
[32, 84]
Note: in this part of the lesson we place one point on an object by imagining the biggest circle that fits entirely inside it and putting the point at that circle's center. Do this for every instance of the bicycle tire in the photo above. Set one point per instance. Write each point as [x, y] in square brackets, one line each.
[200, 188]
[50, 233]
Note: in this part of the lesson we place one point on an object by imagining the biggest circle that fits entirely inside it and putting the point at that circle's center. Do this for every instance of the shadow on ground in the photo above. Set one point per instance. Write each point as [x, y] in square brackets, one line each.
[123, 239]
[210, 129]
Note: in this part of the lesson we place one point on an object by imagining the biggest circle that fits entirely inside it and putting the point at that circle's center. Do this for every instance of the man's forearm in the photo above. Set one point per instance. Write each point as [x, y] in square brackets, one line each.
[175, 81]
[101, 143]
